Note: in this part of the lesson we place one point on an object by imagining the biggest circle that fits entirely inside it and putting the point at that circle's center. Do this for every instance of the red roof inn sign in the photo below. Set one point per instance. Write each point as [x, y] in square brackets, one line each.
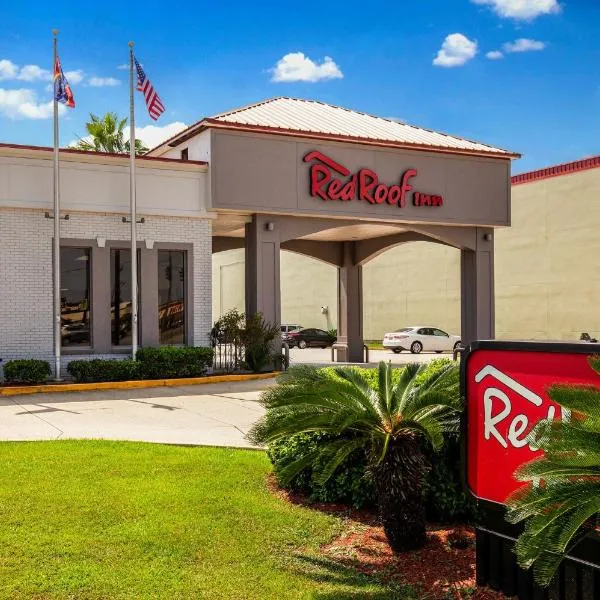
[505, 386]
[330, 180]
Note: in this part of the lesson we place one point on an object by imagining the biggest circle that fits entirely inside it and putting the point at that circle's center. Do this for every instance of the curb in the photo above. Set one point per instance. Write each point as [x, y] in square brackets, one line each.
[130, 385]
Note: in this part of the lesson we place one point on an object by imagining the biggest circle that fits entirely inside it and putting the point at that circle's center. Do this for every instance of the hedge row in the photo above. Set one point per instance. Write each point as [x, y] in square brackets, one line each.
[27, 371]
[167, 362]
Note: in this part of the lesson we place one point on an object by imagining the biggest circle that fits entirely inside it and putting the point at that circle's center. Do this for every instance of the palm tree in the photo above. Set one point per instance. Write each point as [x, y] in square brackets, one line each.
[563, 504]
[386, 422]
[106, 134]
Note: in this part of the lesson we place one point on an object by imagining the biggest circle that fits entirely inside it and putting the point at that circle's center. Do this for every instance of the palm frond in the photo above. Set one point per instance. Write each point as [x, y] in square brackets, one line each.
[404, 386]
[333, 455]
[581, 399]
[567, 496]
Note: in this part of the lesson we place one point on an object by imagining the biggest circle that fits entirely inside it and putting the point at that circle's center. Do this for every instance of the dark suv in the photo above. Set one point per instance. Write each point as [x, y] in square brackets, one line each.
[303, 338]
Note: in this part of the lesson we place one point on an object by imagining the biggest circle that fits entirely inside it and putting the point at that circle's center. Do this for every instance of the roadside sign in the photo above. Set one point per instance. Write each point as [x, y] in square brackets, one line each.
[506, 386]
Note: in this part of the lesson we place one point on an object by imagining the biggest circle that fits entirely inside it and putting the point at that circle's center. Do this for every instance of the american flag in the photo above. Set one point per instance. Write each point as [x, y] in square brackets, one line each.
[153, 102]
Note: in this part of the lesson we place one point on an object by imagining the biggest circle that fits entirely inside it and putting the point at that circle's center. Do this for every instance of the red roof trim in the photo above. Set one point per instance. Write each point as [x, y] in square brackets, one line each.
[354, 139]
[106, 154]
[557, 170]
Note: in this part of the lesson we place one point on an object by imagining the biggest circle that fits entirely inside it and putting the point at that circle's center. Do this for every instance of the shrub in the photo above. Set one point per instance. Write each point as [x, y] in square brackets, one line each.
[97, 370]
[350, 483]
[259, 337]
[27, 371]
[170, 362]
[445, 496]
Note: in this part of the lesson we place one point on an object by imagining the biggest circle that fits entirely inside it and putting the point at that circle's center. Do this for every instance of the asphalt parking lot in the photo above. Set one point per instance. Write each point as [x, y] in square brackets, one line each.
[321, 356]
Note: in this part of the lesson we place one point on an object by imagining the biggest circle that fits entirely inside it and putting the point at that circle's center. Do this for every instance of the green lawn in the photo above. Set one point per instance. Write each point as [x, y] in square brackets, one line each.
[91, 519]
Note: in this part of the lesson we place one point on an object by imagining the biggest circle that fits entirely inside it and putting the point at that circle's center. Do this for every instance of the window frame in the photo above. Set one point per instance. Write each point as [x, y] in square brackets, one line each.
[100, 294]
[83, 245]
[187, 249]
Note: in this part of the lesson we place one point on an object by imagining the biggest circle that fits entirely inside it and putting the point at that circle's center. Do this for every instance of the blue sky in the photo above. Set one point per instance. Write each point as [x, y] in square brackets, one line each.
[389, 58]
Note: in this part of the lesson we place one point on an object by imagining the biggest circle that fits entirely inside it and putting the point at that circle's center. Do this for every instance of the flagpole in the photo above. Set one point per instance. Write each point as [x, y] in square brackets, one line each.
[133, 216]
[56, 253]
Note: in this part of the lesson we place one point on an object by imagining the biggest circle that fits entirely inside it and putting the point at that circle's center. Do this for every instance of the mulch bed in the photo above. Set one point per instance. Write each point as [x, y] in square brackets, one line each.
[443, 569]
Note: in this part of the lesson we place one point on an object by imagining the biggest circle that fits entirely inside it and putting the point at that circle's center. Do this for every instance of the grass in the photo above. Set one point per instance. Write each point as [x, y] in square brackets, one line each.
[374, 344]
[93, 519]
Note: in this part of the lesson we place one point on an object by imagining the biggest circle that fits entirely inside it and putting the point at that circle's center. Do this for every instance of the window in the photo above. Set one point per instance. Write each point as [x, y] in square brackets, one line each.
[75, 307]
[171, 296]
[184, 154]
[440, 333]
[120, 296]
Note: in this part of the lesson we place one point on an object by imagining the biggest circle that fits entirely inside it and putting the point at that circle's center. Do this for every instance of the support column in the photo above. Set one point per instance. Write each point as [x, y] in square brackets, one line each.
[262, 269]
[477, 289]
[350, 308]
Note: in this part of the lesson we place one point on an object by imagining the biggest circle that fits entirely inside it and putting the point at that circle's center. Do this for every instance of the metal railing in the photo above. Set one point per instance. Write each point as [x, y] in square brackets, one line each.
[228, 357]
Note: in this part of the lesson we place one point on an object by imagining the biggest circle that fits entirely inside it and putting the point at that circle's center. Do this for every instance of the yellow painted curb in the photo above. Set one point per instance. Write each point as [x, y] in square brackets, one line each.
[130, 385]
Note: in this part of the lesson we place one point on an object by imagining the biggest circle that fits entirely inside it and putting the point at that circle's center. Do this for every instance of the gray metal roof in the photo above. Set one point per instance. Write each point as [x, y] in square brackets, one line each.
[310, 118]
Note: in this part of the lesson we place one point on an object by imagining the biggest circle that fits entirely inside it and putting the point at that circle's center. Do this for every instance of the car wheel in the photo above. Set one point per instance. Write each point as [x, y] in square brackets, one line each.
[457, 346]
[396, 350]
[302, 344]
[416, 348]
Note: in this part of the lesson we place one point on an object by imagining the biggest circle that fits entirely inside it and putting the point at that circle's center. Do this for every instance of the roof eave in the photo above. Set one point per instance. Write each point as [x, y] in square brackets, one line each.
[209, 122]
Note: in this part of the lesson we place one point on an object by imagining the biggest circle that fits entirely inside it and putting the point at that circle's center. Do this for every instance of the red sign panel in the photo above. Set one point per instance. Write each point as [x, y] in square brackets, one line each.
[506, 395]
[326, 183]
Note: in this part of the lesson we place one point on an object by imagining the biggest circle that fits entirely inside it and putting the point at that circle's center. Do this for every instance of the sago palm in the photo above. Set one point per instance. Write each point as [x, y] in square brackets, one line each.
[386, 421]
[562, 504]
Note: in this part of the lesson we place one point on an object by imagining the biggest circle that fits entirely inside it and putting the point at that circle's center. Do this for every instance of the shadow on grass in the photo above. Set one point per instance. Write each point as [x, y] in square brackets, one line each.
[325, 570]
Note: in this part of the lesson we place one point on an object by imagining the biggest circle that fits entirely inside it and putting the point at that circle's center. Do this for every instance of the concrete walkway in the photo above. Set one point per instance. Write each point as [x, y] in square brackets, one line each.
[214, 415]
[211, 414]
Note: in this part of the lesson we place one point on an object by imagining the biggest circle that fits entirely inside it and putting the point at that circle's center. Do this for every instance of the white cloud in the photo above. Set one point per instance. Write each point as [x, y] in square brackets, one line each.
[153, 135]
[123, 67]
[524, 45]
[23, 104]
[295, 66]
[456, 50]
[8, 69]
[33, 73]
[525, 10]
[103, 81]
[75, 77]
[494, 55]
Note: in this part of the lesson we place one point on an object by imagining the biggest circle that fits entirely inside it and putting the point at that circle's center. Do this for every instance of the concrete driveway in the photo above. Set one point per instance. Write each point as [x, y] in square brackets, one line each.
[214, 415]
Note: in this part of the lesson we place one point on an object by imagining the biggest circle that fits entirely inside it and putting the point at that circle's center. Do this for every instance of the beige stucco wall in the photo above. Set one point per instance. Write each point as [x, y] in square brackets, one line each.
[412, 284]
[306, 285]
[547, 274]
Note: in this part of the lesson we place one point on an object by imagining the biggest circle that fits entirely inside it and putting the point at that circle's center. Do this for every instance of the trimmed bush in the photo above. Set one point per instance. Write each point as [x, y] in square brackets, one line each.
[445, 500]
[171, 362]
[350, 484]
[98, 370]
[27, 371]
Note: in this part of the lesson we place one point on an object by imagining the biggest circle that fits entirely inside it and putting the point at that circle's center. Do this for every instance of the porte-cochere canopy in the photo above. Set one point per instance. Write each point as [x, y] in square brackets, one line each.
[343, 186]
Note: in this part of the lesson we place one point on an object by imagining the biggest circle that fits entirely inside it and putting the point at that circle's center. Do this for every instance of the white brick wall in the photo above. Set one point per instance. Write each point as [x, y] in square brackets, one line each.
[26, 271]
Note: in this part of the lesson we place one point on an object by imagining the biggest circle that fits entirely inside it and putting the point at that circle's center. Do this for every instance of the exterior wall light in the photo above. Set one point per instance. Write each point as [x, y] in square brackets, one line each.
[487, 237]
[270, 226]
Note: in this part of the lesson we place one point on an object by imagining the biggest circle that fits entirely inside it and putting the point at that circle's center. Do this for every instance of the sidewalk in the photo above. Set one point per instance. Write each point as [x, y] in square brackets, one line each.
[213, 414]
